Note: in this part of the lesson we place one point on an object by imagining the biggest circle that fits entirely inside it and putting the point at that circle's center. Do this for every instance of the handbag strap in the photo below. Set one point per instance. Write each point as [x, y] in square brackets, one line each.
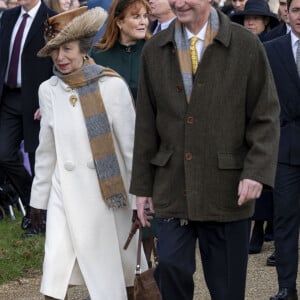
[139, 251]
[154, 250]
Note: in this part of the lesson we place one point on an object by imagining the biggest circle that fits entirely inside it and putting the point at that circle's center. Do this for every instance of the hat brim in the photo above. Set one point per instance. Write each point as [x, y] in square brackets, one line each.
[85, 25]
[239, 17]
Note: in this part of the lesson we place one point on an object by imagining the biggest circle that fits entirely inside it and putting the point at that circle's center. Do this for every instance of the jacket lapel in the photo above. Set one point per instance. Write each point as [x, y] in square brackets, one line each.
[36, 24]
[285, 54]
[11, 21]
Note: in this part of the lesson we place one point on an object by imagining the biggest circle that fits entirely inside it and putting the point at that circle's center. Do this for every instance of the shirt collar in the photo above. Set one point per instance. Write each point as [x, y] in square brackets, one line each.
[294, 39]
[165, 25]
[32, 13]
[200, 34]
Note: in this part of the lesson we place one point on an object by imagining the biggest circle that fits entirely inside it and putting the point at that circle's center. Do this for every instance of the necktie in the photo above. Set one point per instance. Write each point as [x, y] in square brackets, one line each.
[14, 60]
[298, 58]
[194, 56]
[158, 28]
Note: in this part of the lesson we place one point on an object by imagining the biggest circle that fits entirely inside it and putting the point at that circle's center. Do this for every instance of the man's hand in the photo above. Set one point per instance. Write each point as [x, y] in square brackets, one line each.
[248, 190]
[144, 206]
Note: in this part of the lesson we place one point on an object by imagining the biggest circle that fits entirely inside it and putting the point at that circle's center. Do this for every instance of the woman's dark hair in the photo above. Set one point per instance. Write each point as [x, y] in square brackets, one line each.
[288, 2]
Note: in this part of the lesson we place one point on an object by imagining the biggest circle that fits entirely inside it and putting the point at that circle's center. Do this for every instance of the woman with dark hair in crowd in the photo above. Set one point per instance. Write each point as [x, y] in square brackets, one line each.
[256, 17]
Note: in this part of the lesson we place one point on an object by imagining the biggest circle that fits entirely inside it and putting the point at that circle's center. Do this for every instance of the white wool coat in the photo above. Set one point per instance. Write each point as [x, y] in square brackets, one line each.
[84, 238]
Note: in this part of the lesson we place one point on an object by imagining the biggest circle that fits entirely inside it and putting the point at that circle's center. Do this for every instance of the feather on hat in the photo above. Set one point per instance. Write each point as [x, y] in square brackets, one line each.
[71, 26]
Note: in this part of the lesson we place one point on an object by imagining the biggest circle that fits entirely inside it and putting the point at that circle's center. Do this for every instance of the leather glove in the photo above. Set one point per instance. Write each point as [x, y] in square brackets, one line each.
[37, 217]
[134, 216]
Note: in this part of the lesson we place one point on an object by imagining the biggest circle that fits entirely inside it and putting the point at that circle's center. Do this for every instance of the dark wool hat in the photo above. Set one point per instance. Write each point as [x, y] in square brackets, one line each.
[255, 8]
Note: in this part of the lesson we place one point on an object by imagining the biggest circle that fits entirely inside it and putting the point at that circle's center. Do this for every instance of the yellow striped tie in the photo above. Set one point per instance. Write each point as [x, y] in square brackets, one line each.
[194, 56]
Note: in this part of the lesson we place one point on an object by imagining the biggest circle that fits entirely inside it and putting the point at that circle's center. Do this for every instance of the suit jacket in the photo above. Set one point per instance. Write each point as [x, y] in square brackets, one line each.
[276, 32]
[152, 26]
[191, 157]
[288, 87]
[35, 70]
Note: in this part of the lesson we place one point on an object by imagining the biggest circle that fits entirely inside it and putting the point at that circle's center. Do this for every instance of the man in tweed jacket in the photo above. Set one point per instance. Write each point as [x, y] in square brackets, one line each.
[205, 147]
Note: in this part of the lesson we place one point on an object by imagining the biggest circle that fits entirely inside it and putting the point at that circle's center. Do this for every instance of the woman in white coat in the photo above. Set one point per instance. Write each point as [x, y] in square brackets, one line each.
[83, 165]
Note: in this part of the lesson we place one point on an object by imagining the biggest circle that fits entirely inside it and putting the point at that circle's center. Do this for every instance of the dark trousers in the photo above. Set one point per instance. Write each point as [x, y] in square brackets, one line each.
[11, 135]
[224, 255]
[286, 223]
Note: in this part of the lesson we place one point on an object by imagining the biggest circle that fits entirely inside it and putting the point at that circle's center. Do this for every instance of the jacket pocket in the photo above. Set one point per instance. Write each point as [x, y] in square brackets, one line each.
[161, 158]
[231, 161]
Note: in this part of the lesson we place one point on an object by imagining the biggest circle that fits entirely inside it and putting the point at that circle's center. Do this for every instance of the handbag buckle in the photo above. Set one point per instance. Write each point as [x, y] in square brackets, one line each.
[138, 269]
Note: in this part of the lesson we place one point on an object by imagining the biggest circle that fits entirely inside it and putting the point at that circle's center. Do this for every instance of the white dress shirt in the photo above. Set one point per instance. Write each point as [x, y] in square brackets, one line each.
[163, 25]
[200, 42]
[294, 40]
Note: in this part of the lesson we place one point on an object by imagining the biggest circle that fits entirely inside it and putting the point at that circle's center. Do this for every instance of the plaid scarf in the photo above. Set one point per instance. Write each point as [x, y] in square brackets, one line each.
[183, 49]
[85, 80]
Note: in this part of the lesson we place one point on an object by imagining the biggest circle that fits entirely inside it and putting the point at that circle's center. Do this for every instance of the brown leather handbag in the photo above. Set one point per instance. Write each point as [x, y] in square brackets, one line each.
[145, 287]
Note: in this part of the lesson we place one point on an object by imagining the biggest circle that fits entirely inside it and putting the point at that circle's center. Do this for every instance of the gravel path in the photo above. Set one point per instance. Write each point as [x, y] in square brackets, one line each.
[261, 282]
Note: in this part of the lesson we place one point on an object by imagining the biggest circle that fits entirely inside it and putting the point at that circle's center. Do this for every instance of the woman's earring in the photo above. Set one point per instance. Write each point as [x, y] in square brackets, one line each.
[85, 58]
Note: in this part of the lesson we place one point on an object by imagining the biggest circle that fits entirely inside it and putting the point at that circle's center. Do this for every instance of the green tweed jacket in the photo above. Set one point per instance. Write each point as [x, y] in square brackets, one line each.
[191, 157]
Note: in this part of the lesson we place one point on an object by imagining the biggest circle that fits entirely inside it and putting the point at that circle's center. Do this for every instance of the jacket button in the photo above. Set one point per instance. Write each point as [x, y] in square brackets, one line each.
[90, 164]
[190, 120]
[69, 166]
[179, 88]
[188, 156]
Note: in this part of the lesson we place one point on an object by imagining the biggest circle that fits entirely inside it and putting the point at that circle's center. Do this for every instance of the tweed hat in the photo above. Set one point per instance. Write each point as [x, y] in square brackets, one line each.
[71, 26]
[255, 8]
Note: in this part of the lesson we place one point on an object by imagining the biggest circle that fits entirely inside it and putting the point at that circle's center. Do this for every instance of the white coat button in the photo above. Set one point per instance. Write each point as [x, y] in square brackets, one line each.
[90, 164]
[69, 166]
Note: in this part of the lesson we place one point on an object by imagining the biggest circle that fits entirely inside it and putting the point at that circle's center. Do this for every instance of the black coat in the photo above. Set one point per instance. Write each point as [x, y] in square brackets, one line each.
[35, 70]
[288, 88]
[276, 32]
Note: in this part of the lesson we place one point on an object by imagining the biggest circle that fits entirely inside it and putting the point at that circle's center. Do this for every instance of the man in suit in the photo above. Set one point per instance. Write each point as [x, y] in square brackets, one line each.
[286, 71]
[19, 113]
[162, 13]
[280, 30]
[204, 147]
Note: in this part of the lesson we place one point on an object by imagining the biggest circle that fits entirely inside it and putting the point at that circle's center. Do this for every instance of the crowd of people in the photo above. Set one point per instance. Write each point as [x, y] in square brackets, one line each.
[180, 115]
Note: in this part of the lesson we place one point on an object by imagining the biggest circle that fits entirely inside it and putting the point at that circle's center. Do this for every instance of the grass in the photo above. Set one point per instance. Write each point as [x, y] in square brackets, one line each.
[18, 256]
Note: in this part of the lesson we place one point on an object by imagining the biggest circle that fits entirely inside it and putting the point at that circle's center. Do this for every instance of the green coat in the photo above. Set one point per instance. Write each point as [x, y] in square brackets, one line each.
[191, 157]
[124, 60]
